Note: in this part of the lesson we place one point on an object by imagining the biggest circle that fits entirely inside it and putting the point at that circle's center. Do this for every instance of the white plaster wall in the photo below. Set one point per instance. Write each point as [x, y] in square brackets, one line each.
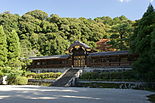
[85, 69]
[41, 70]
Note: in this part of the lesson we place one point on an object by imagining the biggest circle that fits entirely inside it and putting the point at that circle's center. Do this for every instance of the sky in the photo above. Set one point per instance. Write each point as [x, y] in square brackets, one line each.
[132, 9]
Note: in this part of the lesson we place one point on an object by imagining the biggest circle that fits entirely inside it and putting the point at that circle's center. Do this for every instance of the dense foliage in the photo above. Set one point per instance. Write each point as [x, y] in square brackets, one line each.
[37, 34]
[40, 34]
[3, 47]
[13, 49]
[110, 76]
[143, 43]
[19, 80]
[12, 74]
[50, 75]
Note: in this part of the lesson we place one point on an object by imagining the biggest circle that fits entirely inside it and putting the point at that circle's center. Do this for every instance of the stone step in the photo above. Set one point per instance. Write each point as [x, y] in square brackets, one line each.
[65, 78]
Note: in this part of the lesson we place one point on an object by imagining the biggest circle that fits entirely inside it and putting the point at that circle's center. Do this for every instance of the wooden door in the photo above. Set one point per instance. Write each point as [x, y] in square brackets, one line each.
[79, 61]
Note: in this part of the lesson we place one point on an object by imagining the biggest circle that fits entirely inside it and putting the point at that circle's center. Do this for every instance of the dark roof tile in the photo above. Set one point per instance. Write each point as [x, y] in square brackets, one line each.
[50, 57]
[108, 53]
[78, 43]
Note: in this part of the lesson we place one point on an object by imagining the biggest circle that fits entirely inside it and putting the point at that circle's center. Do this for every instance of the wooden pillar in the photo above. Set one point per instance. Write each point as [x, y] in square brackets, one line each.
[119, 59]
[109, 60]
[86, 60]
[72, 60]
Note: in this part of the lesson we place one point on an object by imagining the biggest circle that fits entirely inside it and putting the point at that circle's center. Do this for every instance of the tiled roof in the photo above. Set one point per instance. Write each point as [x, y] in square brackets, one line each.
[50, 57]
[78, 43]
[91, 54]
[108, 53]
[102, 41]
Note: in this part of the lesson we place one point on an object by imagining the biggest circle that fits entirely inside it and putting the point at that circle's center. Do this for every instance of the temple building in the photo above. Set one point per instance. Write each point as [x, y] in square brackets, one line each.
[80, 55]
[102, 45]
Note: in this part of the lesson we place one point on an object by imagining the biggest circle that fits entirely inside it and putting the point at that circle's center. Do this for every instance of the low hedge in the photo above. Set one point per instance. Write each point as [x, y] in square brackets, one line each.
[21, 80]
[1, 74]
[124, 75]
[99, 85]
[40, 83]
[17, 80]
[49, 75]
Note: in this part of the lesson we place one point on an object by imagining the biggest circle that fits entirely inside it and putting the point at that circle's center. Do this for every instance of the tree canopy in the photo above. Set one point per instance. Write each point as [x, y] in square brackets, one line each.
[143, 43]
[41, 35]
[3, 47]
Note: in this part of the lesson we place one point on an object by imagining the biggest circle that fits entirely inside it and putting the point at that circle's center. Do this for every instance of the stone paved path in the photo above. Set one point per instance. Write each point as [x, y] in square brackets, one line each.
[39, 94]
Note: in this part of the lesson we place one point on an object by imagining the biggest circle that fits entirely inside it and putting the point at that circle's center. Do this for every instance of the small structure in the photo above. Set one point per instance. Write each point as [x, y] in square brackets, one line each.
[103, 45]
[81, 56]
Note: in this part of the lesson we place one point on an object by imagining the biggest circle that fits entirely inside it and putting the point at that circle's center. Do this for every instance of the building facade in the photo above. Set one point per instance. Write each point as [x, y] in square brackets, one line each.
[82, 56]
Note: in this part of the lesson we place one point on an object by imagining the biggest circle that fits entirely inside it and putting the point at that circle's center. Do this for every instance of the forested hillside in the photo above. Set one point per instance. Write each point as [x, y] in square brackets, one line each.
[43, 34]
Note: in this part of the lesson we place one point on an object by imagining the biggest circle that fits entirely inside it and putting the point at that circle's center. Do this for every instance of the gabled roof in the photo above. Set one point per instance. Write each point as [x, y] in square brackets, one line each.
[78, 43]
[108, 53]
[101, 41]
[50, 57]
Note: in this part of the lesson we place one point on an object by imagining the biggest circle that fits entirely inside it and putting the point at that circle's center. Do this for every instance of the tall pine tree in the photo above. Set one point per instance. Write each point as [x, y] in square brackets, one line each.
[152, 73]
[3, 47]
[13, 49]
[141, 43]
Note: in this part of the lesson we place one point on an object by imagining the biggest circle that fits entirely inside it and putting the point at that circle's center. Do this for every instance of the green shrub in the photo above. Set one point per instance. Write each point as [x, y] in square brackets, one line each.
[31, 75]
[44, 75]
[11, 79]
[120, 75]
[1, 74]
[19, 80]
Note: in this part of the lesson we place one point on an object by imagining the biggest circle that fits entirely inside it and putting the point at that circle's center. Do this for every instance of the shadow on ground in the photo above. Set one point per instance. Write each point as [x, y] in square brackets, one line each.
[39, 94]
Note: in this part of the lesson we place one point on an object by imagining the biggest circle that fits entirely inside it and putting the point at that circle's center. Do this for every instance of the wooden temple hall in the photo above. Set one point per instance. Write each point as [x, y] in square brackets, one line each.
[82, 56]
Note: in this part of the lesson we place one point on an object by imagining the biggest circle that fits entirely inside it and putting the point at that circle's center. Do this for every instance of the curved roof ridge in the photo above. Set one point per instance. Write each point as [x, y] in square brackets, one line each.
[49, 57]
[78, 43]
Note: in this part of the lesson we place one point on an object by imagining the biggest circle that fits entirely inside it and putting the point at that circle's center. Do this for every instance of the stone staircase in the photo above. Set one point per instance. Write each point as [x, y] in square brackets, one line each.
[66, 78]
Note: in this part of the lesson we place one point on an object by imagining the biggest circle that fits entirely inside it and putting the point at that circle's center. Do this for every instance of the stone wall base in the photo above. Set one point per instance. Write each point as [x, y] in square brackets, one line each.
[85, 69]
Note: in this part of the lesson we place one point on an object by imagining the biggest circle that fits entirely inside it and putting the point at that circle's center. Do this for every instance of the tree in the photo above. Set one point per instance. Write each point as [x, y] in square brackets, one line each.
[14, 49]
[120, 33]
[106, 20]
[142, 43]
[3, 47]
[38, 14]
[29, 24]
[48, 27]
[9, 22]
[142, 33]
[54, 18]
[153, 48]
[35, 30]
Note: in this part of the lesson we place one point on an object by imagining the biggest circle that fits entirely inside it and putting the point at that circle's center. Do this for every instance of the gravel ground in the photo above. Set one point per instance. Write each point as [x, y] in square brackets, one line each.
[40, 94]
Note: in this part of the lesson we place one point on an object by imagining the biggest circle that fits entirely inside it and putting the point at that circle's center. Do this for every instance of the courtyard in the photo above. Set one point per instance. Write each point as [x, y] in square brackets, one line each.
[40, 94]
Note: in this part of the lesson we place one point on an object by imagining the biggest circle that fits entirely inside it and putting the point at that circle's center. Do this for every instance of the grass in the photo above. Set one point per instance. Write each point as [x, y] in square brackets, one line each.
[152, 98]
